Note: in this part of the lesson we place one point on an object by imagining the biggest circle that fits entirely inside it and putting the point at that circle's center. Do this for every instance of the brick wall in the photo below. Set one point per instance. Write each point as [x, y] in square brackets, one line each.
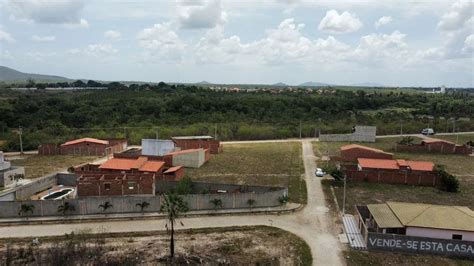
[353, 154]
[214, 145]
[444, 148]
[49, 149]
[115, 185]
[407, 177]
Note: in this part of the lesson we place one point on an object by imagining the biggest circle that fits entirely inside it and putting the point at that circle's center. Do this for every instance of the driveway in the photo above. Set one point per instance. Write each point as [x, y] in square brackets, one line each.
[313, 223]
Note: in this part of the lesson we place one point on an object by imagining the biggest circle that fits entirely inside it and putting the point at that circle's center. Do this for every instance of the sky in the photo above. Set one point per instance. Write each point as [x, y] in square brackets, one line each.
[392, 42]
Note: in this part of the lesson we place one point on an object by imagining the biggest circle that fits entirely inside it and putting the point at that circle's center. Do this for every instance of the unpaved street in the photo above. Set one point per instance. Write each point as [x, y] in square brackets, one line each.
[313, 223]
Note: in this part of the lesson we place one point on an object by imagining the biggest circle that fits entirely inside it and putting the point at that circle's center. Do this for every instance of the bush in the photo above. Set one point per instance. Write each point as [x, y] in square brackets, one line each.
[449, 183]
[406, 140]
[334, 172]
[184, 186]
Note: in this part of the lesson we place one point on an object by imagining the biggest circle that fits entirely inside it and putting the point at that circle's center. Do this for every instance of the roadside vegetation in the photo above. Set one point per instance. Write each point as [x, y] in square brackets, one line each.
[232, 246]
[139, 111]
[267, 164]
[38, 165]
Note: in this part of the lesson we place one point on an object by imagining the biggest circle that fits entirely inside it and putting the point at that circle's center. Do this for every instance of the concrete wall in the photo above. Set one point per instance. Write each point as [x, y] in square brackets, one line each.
[439, 233]
[5, 175]
[361, 134]
[192, 159]
[420, 245]
[127, 204]
[157, 147]
[24, 192]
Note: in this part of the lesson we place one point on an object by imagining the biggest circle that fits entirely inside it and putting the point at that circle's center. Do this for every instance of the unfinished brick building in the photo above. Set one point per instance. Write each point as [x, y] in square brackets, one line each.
[196, 142]
[115, 184]
[84, 146]
[432, 145]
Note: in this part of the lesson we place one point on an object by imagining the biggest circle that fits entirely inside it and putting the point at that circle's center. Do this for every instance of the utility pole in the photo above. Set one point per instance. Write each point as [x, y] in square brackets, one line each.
[157, 133]
[20, 131]
[344, 198]
[124, 132]
[401, 127]
[215, 131]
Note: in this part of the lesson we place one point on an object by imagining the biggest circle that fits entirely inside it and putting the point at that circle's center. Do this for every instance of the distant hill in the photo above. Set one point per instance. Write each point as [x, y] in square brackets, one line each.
[204, 83]
[368, 84]
[280, 84]
[8, 74]
[314, 84]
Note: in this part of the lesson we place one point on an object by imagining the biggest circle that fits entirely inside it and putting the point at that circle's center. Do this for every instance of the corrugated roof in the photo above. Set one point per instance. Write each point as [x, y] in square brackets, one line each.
[152, 166]
[184, 151]
[395, 164]
[356, 146]
[433, 216]
[192, 137]
[173, 169]
[76, 141]
[384, 217]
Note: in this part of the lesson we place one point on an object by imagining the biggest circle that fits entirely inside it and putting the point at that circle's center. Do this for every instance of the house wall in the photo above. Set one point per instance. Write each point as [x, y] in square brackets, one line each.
[213, 145]
[439, 233]
[355, 153]
[157, 147]
[144, 184]
[84, 148]
[192, 159]
[5, 175]
[406, 177]
[49, 149]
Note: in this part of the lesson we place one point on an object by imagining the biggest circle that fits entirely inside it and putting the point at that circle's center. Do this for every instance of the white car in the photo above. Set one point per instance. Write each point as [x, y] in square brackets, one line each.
[319, 172]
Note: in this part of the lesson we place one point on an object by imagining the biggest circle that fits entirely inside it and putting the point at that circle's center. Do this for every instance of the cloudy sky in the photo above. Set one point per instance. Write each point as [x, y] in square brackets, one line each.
[399, 43]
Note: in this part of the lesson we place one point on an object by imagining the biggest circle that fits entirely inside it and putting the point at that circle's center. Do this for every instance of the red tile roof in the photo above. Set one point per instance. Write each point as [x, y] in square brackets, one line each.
[173, 169]
[395, 164]
[184, 151]
[92, 140]
[433, 140]
[152, 166]
[141, 164]
[356, 146]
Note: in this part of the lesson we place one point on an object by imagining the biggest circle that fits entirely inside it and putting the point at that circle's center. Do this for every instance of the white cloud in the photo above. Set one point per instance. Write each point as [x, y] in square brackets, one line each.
[378, 48]
[113, 35]
[201, 14]
[343, 23]
[5, 36]
[456, 17]
[37, 38]
[100, 50]
[383, 21]
[65, 12]
[38, 56]
[5, 55]
[161, 42]
[469, 44]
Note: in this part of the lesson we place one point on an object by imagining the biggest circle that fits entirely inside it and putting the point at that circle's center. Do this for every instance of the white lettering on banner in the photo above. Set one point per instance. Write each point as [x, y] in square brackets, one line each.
[449, 247]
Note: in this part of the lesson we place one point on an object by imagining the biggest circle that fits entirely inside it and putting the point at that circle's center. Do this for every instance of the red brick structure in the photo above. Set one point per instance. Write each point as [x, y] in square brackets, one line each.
[174, 173]
[84, 146]
[115, 184]
[393, 172]
[196, 142]
[432, 145]
[350, 153]
[138, 165]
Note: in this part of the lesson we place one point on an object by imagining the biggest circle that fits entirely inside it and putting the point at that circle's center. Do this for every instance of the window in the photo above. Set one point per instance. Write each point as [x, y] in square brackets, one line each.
[131, 185]
[457, 237]
[107, 186]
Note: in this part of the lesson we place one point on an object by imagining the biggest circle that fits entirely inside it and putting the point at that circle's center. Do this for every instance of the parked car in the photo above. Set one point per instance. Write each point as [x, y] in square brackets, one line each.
[427, 131]
[319, 172]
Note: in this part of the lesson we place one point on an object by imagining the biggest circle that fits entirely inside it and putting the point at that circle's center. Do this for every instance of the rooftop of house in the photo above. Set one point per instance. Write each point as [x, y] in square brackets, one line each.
[91, 140]
[433, 140]
[192, 137]
[124, 164]
[356, 146]
[184, 151]
[395, 164]
[173, 169]
[400, 214]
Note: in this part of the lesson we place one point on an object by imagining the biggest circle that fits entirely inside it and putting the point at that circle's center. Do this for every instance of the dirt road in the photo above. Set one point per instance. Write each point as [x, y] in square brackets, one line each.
[313, 223]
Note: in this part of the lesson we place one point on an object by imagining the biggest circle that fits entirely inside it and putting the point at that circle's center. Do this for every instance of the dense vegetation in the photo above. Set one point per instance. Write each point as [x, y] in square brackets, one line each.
[142, 111]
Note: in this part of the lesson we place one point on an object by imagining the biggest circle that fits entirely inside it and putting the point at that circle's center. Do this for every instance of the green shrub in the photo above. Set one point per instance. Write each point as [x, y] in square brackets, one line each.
[449, 182]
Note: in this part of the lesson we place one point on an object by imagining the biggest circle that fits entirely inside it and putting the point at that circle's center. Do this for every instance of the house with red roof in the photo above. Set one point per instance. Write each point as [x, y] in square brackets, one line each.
[84, 146]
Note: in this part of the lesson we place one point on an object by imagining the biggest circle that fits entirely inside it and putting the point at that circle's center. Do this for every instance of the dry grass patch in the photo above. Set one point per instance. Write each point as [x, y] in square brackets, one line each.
[232, 246]
[269, 164]
[356, 258]
[38, 165]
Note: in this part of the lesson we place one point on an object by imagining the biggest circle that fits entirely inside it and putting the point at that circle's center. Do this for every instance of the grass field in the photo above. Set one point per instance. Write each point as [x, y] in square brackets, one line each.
[37, 165]
[270, 164]
[357, 258]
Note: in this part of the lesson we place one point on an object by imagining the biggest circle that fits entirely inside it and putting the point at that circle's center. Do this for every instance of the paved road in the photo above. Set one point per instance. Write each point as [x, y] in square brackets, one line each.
[313, 223]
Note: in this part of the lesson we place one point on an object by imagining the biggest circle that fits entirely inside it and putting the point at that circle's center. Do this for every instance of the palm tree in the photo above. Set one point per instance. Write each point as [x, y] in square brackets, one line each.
[25, 209]
[216, 203]
[251, 203]
[143, 205]
[105, 206]
[66, 207]
[173, 206]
